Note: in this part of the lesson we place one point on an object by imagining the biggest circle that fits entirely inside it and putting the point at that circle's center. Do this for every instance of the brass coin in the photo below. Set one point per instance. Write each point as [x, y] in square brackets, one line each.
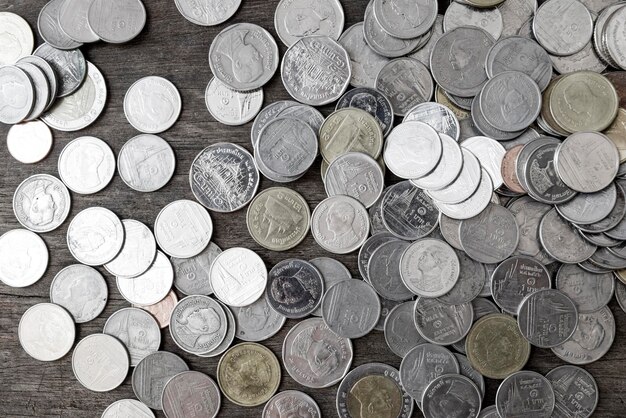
[248, 374]
[370, 390]
[441, 98]
[617, 133]
[350, 130]
[495, 347]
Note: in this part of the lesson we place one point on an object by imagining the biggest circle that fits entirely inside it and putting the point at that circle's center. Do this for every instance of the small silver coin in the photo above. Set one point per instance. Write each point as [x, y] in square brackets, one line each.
[152, 104]
[129, 408]
[386, 306]
[466, 183]
[547, 318]
[357, 175]
[95, 236]
[23, 258]
[470, 284]
[17, 99]
[589, 292]
[100, 362]
[441, 118]
[268, 114]
[207, 13]
[365, 253]
[258, 321]
[51, 76]
[41, 203]
[376, 216]
[586, 59]
[587, 208]
[70, 67]
[351, 299]
[528, 214]
[238, 277]
[484, 127]
[73, 21]
[405, 20]
[422, 54]
[561, 240]
[191, 275]
[81, 290]
[384, 271]
[41, 89]
[449, 228]
[294, 20]
[473, 205]
[86, 165]
[613, 219]
[340, 224]
[191, 393]
[46, 332]
[229, 106]
[332, 272]
[22, 38]
[408, 212]
[429, 268]
[230, 335]
[406, 82]
[294, 288]
[490, 154]
[198, 324]
[293, 402]
[515, 13]
[382, 42]
[516, 278]
[183, 229]
[151, 375]
[413, 150]
[520, 386]
[422, 365]
[606, 259]
[400, 332]
[373, 102]
[440, 323]
[150, 287]
[364, 61]
[116, 21]
[29, 142]
[451, 388]
[486, 18]
[48, 24]
[568, 383]
[468, 371]
[137, 330]
[554, 14]
[137, 253]
[146, 163]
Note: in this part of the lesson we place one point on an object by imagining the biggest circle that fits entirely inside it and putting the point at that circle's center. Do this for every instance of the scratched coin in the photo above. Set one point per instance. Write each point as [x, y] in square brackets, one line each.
[129, 408]
[95, 236]
[152, 374]
[423, 364]
[191, 275]
[86, 165]
[198, 324]
[137, 330]
[41, 203]
[183, 229]
[207, 13]
[46, 332]
[191, 393]
[347, 300]
[575, 391]
[81, 290]
[100, 362]
[117, 21]
[238, 277]
[152, 104]
[523, 385]
[547, 318]
[146, 163]
[229, 106]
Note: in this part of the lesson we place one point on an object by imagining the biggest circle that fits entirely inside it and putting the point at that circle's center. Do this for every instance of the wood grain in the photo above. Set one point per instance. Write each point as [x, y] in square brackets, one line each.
[173, 48]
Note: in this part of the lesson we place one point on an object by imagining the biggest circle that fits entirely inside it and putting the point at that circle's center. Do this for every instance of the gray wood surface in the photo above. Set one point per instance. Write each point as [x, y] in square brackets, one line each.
[173, 48]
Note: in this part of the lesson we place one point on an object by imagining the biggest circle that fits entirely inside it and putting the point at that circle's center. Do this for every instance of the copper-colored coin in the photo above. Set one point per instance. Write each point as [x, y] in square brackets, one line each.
[508, 169]
[618, 78]
[162, 310]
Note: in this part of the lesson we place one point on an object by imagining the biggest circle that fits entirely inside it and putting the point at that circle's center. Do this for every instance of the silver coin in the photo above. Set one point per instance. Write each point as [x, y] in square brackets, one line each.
[449, 228]
[294, 288]
[386, 306]
[384, 271]
[20, 38]
[191, 275]
[340, 224]
[347, 300]
[230, 334]
[613, 219]
[519, 386]
[560, 239]
[198, 324]
[100, 362]
[238, 277]
[470, 284]
[146, 163]
[81, 290]
[82, 107]
[413, 150]
[465, 185]
[451, 388]
[355, 174]
[441, 118]
[521, 54]
[376, 216]
[243, 56]
[599, 239]
[152, 104]
[490, 154]
[151, 375]
[473, 205]
[490, 411]
[46, 332]
[294, 20]
[232, 107]
[191, 393]
[422, 365]
[258, 321]
[423, 54]
[488, 19]
[50, 29]
[224, 177]
[268, 114]
[49, 73]
[516, 278]
[116, 21]
[18, 97]
[137, 330]
[41, 89]
[73, 20]
[86, 165]
[547, 318]
[612, 44]
[555, 14]
[206, 12]
[373, 102]
[293, 402]
[606, 259]
[588, 208]
[382, 42]
[401, 334]
[589, 292]
[129, 408]
[328, 75]
[150, 287]
[575, 391]
[429, 268]
[314, 356]
[408, 212]
[484, 127]
[41, 203]
[440, 323]
[471, 373]
[332, 272]
[620, 294]
[70, 67]
[137, 253]
[405, 20]
[481, 307]
[585, 60]
[183, 229]
[515, 13]
[365, 253]
[406, 82]
[95, 236]
[364, 61]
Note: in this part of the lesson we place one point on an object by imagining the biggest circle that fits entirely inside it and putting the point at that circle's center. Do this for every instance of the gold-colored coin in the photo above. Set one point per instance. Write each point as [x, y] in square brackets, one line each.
[350, 130]
[617, 133]
[375, 397]
[248, 374]
[441, 98]
[495, 347]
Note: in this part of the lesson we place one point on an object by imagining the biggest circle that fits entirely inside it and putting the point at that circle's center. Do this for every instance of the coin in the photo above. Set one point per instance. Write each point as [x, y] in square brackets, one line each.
[429, 268]
[408, 212]
[612, 45]
[449, 387]
[81, 290]
[436, 115]
[137, 330]
[198, 324]
[29, 142]
[423, 54]
[294, 288]
[20, 35]
[130, 408]
[616, 133]
[191, 275]
[41, 203]
[554, 14]
[191, 393]
[406, 82]
[440, 323]
[183, 229]
[51, 76]
[475, 233]
[355, 174]
[340, 224]
[46, 332]
[383, 43]
[520, 386]
[150, 287]
[207, 14]
[422, 365]
[117, 21]
[95, 236]
[470, 284]
[514, 279]
[41, 89]
[238, 277]
[258, 321]
[575, 391]
[294, 20]
[372, 101]
[413, 150]
[163, 309]
[484, 127]
[465, 185]
[152, 374]
[490, 411]
[384, 271]
[401, 334]
[364, 61]
[229, 106]
[291, 401]
[365, 253]
[16, 100]
[152, 104]
[585, 59]
[589, 292]
[332, 272]
[547, 318]
[447, 170]
[347, 300]
[473, 205]
[248, 374]
[490, 153]
[560, 239]
[403, 20]
[48, 24]
[137, 253]
[86, 165]
[146, 163]
[488, 19]
[449, 229]
[230, 334]
[69, 67]
[350, 130]
[100, 362]
[73, 21]
[508, 169]
[588, 208]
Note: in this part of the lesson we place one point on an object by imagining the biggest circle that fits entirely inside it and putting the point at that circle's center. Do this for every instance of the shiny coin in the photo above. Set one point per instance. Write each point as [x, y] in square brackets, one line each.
[589, 292]
[191, 393]
[440, 323]
[518, 387]
[258, 321]
[340, 224]
[473, 205]
[470, 284]
[294, 288]
[401, 334]
[29, 142]
[575, 391]
[490, 153]
[555, 14]
[268, 114]
[403, 20]
[436, 115]
[183, 229]
[86, 165]
[465, 184]
[50, 28]
[413, 150]
[516, 278]
[81, 290]
[355, 174]
[347, 300]
[137, 330]
[429, 268]
[69, 67]
[41, 203]
[18, 96]
[117, 21]
[364, 62]
[207, 14]
[406, 82]
[373, 102]
[151, 286]
[561, 240]
[20, 37]
[488, 19]
[100, 362]
[248, 374]
[51, 77]
[146, 163]
[451, 388]
[129, 408]
[95, 236]
[137, 253]
[447, 170]
[294, 20]
[73, 21]
[191, 275]
[46, 332]
[293, 402]
[152, 374]
[408, 212]
[350, 130]
[162, 310]
[198, 324]
[41, 89]
[384, 271]
[238, 277]
[229, 106]
[508, 170]
[423, 364]
[547, 318]
[588, 208]
[152, 105]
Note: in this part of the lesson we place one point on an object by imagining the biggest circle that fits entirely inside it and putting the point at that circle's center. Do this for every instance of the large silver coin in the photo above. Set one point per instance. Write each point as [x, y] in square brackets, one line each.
[23, 258]
[408, 212]
[429, 268]
[441, 118]
[129, 408]
[473, 205]
[364, 61]
[41, 203]
[373, 102]
[95, 236]
[137, 330]
[371, 245]
[382, 42]
[406, 82]
[183, 229]
[294, 288]
[295, 19]
[191, 275]
[384, 271]
[444, 391]
[422, 365]
[347, 300]
[137, 253]
[207, 12]
[238, 277]
[51, 76]
[151, 375]
[46, 332]
[588, 208]
[81, 290]
[100, 362]
[575, 391]
[198, 324]
[413, 150]
[229, 106]
[258, 321]
[191, 393]
[442, 324]
[518, 387]
[41, 89]
[340, 224]
[589, 292]
[547, 318]
[86, 165]
[20, 38]
[528, 214]
[516, 278]
[355, 174]
[405, 19]
[230, 335]
[314, 356]
[69, 67]
[490, 154]
[484, 127]
[73, 21]
[463, 14]
[116, 21]
[244, 56]
[152, 105]
[555, 14]
[266, 115]
[293, 402]
[18, 95]
[29, 142]
[146, 163]
[151, 286]
[401, 334]
[561, 240]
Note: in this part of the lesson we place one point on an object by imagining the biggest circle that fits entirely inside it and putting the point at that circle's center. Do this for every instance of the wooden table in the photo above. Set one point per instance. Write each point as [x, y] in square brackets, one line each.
[171, 47]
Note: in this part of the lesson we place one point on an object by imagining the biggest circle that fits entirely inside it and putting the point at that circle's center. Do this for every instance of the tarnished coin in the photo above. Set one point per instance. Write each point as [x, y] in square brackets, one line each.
[100, 362]
[137, 253]
[229, 106]
[384, 271]
[422, 365]
[23, 258]
[466, 183]
[244, 56]
[520, 386]
[29, 142]
[441, 395]
[355, 174]
[69, 67]
[207, 13]
[130, 408]
[152, 374]
[440, 323]
[556, 14]
[340, 224]
[86, 165]
[364, 61]
[575, 391]
[589, 292]
[588, 208]
[592, 338]
[73, 20]
[382, 42]
[191, 275]
[117, 21]
[191, 393]
[561, 240]
[248, 374]
[470, 284]
[490, 153]
[223, 177]
[373, 102]
[152, 105]
[350, 130]
[401, 334]
[408, 212]
[183, 229]
[347, 300]
[462, 14]
[258, 321]
[329, 73]
[291, 402]
[406, 82]
[41, 203]
[146, 163]
[429, 268]
[294, 288]
[230, 334]
[150, 287]
[95, 236]
[81, 290]
[238, 277]
[314, 356]
[198, 324]
[18, 95]
[547, 318]
[20, 40]
[495, 347]
[162, 310]
[137, 330]
[46, 332]
[413, 150]
[48, 24]
[294, 20]
[516, 278]
[405, 20]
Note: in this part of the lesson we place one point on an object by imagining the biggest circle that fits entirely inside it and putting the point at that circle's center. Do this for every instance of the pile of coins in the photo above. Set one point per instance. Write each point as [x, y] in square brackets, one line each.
[501, 224]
